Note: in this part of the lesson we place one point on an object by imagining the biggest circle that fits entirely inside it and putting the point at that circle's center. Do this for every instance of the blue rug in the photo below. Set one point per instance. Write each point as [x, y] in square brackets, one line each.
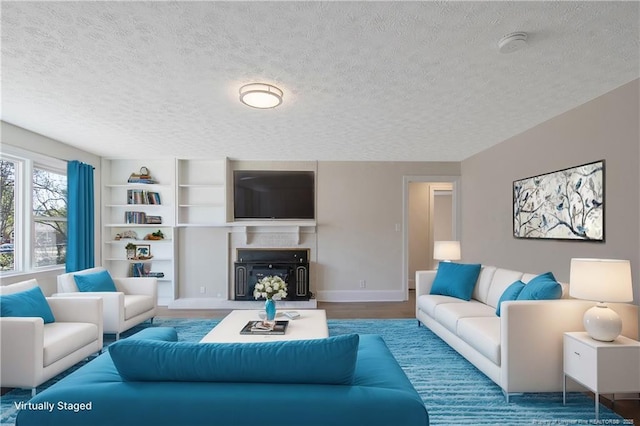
[453, 390]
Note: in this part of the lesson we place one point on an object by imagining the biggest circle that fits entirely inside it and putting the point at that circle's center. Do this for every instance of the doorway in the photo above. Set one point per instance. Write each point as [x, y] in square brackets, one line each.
[430, 214]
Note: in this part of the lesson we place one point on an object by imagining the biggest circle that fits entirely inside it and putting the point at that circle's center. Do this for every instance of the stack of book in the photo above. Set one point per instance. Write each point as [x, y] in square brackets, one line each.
[139, 178]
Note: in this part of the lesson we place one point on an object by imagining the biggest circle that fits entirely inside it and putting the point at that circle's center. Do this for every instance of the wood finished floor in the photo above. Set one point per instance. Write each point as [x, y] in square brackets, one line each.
[629, 409]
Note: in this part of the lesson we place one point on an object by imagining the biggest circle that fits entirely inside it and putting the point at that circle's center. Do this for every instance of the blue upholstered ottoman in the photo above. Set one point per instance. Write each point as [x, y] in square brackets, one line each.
[150, 378]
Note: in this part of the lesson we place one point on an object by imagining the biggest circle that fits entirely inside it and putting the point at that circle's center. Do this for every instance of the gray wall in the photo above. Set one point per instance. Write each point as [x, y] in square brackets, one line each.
[604, 128]
[360, 214]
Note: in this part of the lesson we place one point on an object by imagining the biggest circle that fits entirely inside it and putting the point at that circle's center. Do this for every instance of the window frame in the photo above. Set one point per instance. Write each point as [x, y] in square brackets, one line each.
[24, 219]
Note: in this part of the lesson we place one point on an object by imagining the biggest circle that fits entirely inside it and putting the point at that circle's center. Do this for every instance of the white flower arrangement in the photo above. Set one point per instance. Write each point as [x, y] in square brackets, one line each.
[270, 287]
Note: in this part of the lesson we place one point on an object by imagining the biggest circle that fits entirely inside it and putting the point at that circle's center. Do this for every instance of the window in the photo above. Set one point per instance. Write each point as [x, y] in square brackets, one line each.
[49, 217]
[33, 226]
[8, 214]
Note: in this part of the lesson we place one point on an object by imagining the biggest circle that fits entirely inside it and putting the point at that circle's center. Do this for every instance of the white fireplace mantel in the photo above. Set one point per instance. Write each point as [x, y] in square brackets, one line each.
[296, 228]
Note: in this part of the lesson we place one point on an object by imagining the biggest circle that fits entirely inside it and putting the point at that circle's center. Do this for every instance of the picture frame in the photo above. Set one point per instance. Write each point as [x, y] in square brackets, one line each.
[143, 251]
[567, 204]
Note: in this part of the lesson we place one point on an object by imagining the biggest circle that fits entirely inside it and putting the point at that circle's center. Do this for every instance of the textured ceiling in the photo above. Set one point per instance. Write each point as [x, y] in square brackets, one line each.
[419, 81]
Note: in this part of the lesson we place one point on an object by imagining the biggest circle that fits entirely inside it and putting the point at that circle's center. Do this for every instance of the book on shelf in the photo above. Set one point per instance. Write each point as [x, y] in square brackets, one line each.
[154, 220]
[259, 327]
[143, 269]
[139, 269]
[135, 217]
[142, 196]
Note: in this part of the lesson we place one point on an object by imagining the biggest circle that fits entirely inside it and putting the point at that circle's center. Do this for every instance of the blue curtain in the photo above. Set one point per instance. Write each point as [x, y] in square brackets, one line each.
[80, 239]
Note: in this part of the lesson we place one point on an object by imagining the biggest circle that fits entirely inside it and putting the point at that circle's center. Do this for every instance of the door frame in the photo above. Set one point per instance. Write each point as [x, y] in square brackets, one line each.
[455, 221]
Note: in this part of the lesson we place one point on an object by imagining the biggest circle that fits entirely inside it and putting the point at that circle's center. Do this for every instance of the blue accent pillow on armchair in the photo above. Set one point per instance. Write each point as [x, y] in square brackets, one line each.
[97, 281]
[511, 293]
[456, 279]
[542, 287]
[28, 303]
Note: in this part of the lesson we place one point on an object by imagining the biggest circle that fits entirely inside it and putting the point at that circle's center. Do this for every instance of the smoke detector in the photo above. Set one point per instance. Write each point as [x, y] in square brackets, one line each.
[512, 42]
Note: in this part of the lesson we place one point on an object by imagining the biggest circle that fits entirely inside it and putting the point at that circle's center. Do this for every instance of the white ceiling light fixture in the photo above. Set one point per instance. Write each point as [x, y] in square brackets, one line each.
[260, 95]
[512, 42]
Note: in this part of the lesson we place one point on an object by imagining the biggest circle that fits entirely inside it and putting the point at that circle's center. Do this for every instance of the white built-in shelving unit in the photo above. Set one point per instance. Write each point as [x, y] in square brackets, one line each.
[202, 192]
[115, 196]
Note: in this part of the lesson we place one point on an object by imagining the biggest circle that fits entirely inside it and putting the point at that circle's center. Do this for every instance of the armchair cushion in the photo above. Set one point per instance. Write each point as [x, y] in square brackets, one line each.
[63, 338]
[97, 281]
[28, 303]
[135, 304]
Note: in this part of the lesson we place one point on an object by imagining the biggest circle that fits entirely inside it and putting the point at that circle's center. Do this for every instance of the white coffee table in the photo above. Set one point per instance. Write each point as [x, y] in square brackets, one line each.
[312, 324]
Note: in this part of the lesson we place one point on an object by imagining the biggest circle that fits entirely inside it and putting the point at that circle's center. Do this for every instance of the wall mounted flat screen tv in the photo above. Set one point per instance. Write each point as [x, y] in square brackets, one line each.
[273, 194]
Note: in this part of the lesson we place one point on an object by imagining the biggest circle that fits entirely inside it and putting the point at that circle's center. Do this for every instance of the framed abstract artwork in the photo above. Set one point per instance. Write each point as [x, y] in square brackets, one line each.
[564, 205]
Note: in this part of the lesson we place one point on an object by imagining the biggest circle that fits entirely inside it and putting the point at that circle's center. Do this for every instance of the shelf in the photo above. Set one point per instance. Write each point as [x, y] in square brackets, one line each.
[153, 259]
[133, 205]
[137, 225]
[131, 240]
[201, 185]
[202, 205]
[138, 185]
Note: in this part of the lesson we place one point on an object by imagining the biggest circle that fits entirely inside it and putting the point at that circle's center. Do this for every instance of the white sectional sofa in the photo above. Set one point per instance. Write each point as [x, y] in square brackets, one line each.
[520, 350]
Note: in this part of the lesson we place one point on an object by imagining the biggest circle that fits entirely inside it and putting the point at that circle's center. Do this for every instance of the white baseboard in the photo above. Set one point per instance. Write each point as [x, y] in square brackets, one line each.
[361, 296]
[215, 303]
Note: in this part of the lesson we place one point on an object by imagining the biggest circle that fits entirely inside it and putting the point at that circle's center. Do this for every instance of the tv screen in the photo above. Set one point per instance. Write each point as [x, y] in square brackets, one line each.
[273, 194]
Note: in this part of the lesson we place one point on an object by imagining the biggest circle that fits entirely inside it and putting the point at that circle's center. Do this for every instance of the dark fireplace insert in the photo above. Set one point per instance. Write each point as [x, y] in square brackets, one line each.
[292, 265]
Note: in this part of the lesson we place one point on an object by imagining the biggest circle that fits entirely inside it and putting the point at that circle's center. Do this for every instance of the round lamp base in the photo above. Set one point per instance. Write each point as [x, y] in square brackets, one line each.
[602, 323]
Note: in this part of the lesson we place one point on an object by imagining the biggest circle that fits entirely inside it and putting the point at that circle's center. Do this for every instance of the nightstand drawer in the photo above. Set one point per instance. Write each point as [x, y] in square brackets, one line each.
[580, 362]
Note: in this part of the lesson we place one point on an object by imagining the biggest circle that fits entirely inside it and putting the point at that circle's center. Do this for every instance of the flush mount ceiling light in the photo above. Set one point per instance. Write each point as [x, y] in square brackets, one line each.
[260, 95]
[512, 42]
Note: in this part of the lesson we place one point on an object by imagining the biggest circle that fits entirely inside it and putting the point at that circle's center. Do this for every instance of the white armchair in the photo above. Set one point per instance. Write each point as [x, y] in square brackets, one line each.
[135, 301]
[32, 352]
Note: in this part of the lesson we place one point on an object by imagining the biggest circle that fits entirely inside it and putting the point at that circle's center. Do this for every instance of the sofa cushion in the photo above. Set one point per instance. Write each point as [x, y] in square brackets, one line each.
[542, 287]
[511, 293]
[97, 281]
[482, 334]
[481, 290]
[428, 302]
[63, 338]
[455, 279]
[136, 304]
[449, 314]
[27, 303]
[502, 279]
[320, 361]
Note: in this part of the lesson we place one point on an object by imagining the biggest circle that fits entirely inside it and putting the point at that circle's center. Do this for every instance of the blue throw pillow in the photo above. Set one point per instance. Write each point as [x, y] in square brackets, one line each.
[510, 293]
[29, 303]
[542, 287]
[97, 281]
[456, 280]
[328, 361]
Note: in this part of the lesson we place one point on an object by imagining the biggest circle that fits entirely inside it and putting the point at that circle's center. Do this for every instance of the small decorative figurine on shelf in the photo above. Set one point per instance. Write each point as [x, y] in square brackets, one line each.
[158, 235]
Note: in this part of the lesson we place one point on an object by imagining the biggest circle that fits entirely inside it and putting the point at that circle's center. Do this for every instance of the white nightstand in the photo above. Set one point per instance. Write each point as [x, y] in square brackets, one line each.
[603, 367]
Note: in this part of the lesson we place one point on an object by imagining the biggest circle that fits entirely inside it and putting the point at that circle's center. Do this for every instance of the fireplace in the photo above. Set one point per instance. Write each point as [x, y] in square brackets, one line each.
[292, 265]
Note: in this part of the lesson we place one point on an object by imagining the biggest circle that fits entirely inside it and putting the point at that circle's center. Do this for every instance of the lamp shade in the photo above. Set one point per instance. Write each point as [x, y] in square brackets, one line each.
[601, 280]
[446, 250]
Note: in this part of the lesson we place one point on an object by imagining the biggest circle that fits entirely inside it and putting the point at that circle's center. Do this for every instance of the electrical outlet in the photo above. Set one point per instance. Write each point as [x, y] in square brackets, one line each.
[363, 284]
[203, 290]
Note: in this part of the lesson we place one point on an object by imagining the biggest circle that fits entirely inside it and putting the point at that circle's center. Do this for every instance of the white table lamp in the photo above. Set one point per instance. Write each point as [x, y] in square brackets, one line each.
[601, 280]
[446, 250]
